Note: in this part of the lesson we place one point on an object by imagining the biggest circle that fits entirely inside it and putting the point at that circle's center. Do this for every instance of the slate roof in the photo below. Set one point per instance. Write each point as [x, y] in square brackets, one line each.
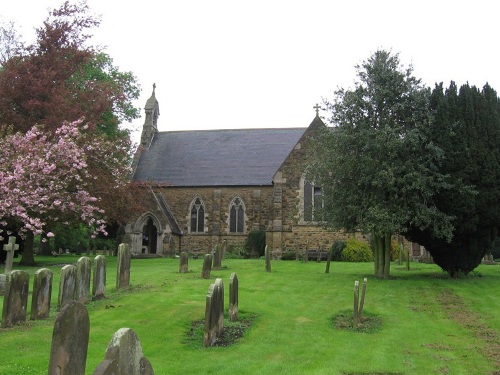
[240, 157]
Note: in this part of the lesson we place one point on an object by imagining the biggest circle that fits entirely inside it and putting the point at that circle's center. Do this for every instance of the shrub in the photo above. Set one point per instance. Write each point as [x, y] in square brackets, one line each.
[356, 251]
[255, 243]
[289, 254]
[236, 252]
[336, 250]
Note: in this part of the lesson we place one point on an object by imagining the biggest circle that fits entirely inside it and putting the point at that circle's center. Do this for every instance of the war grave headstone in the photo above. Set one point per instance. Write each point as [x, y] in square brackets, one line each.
[233, 297]
[214, 313]
[123, 267]
[183, 262]
[66, 285]
[99, 279]
[70, 339]
[42, 293]
[207, 266]
[10, 248]
[15, 301]
[124, 356]
[82, 287]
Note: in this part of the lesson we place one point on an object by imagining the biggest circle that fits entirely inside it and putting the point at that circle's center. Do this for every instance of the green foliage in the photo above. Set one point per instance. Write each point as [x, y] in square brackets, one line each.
[236, 252]
[336, 250]
[289, 254]
[255, 243]
[356, 251]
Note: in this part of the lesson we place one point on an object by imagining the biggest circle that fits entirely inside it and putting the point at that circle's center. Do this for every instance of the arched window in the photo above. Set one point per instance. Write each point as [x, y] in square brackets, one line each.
[237, 216]
[197, 216]
[313, 201]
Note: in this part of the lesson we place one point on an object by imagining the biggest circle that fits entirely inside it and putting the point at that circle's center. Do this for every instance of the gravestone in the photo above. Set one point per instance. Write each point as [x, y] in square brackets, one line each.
[82, 288]
[42, 293]
[233, 297]
[66, 285]
[183, 262]
[70, 340]
[10, 248]
[15, 301]
[217, 258]
[124, 356]
[123, 267]
[99, 280]
[214, 313]
[207, 266]
[267, 253]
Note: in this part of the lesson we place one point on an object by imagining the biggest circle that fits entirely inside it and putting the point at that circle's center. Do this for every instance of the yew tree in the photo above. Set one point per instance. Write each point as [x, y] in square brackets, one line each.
[61, 78]
[466, 127]
[376, 166]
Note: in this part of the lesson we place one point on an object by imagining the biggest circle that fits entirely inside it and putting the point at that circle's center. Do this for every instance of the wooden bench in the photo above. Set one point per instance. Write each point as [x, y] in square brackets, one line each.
[314, 253]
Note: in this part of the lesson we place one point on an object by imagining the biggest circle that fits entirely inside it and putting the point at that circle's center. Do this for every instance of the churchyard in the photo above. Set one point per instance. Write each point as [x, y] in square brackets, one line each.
[418, 322]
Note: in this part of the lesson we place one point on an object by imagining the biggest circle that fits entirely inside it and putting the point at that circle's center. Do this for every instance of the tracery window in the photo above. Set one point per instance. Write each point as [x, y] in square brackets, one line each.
[197, 216]
[237, 216]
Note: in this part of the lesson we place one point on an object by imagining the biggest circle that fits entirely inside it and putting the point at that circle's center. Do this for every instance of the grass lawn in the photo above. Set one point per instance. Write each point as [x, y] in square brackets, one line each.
[427, 323]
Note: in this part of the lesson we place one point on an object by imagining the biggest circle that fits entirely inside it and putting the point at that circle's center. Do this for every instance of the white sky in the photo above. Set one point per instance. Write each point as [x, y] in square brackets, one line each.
[266, 63]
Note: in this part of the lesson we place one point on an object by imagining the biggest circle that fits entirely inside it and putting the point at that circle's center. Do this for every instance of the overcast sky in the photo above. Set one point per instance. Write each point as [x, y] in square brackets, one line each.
[266, 63]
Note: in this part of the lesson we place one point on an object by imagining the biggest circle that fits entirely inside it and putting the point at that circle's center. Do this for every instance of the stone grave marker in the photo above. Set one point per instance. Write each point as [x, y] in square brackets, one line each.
[217, 258]
[267, 253]
[42, 293]
[214, 313]
[123, 267]
[124, 356]
[183, 263]
[10, 248]
[15, 301]
[233, 297]
[66, 285]
[70, 340]
[207, 266]
[82, 287]
[99, 280]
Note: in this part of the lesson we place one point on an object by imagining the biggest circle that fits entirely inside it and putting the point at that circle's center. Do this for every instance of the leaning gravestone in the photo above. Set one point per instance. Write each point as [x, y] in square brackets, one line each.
[233, 297]
[214, 313]
[82, 287]
[67, 285]
[207, 266]
[70, 340]
[42, 293]
[124, 356]
[123, 267]
[15, 301]
[99, 281]
[183, 262]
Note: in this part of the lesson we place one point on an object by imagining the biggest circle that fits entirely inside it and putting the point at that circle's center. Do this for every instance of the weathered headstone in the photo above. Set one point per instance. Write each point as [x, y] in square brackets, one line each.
[10, 248]
[217, 258]
[183, 262]
[15, 301]
[82, 288]
[233, 297]
[67, 285]
[267, 253]
[214, 313]
[124, 356]
[207, 266]
[42, 294]
[70, 340]
[328, 260]
[224, 249]
[123, 267]
[99, 280]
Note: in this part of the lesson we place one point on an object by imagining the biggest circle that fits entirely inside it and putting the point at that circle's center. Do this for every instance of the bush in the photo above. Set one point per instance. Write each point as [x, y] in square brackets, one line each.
[255, 243]
[236, 252]
[336, 250]
[289, 254]
[356, 251]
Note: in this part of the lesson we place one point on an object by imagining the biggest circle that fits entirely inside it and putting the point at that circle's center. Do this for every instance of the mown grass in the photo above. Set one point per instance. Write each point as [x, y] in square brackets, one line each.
[426, 322]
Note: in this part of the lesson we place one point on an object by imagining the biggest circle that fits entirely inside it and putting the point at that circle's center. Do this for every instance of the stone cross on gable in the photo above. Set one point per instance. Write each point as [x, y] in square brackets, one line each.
[10, 248]
[317, 108]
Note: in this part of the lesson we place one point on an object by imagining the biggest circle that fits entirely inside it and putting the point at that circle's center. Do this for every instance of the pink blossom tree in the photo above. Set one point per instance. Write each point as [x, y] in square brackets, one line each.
[44, 178]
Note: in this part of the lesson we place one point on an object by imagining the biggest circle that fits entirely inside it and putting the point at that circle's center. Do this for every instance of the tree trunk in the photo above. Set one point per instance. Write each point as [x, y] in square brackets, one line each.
[379, 255]
[28, 258]
[387, 256]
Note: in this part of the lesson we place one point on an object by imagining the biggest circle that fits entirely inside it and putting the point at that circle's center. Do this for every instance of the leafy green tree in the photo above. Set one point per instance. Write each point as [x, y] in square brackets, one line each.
[377, 168]
[467, 128]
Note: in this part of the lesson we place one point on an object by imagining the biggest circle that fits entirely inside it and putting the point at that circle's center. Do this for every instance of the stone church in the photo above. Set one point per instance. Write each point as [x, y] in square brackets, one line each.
[211, 186]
